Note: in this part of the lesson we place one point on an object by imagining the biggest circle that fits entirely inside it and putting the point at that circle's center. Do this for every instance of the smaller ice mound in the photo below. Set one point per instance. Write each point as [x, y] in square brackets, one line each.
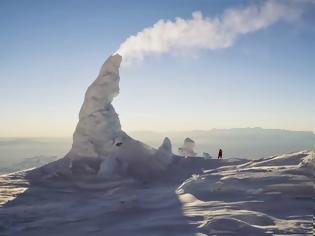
[306, 166]
[164, 152]
[206, 155]
[308, 161]
[166, 146]
[187, 150]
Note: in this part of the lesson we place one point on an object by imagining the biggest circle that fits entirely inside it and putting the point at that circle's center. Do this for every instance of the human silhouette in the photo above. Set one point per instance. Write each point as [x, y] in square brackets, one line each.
[220, 154]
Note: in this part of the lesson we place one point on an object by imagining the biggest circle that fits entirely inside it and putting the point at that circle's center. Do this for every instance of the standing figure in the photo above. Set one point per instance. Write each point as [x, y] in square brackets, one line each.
[220, 154]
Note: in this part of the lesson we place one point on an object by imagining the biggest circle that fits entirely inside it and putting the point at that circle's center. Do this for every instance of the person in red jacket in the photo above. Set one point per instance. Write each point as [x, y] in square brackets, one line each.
[220, 154]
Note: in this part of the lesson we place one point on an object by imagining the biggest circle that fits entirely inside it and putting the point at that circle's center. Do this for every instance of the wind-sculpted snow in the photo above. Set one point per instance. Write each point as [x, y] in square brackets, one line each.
[234, 199]
[100, 148]
[269, 196]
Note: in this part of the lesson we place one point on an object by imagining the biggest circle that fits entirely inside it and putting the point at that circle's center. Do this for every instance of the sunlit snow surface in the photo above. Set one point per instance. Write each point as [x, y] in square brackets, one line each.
[269, 196]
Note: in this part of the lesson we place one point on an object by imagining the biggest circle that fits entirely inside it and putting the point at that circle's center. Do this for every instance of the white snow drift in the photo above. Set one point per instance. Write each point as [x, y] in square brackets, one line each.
[272, 196]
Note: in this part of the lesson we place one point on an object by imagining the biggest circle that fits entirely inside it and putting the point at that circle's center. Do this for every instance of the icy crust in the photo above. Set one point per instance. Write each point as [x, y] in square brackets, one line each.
[261, 197]
[230, 199]
[100, 148]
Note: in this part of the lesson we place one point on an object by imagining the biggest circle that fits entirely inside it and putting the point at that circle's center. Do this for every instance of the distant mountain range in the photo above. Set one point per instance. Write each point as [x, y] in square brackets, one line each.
[237, 142]
[28, 163]
[15, 150]
[251, 143]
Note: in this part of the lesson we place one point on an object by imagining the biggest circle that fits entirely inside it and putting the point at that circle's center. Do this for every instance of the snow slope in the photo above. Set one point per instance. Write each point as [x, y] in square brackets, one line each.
[273, 195]
[264, 197]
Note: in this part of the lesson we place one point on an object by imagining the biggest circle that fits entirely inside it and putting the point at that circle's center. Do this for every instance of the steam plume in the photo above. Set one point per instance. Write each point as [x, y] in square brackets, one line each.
[199, 32]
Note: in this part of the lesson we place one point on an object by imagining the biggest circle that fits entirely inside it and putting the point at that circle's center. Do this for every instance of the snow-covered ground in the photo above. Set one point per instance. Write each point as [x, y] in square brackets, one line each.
[273, 195]
[268, 196]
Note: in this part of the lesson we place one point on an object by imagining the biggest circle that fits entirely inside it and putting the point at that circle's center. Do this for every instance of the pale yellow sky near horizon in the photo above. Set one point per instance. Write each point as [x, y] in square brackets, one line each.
[61, 127]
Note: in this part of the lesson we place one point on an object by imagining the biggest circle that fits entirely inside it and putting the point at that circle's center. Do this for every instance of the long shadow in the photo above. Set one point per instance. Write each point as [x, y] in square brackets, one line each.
[130, 208]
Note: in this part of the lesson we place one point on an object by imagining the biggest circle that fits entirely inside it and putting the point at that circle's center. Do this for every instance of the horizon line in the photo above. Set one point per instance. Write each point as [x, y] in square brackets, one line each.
[166, 131]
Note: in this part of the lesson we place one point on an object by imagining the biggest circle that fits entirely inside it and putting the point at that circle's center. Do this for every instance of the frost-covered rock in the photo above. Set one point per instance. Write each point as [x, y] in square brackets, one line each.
[165, 151]
[100, 148]
[166, 145]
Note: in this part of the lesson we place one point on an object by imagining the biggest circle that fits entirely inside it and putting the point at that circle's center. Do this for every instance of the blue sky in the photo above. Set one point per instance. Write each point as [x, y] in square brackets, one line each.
[50, 51]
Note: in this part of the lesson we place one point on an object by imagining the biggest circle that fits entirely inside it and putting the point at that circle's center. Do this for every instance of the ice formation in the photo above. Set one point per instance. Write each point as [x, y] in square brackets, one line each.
[187, 149]
[206, 155]
[99, 130]
[100, 148]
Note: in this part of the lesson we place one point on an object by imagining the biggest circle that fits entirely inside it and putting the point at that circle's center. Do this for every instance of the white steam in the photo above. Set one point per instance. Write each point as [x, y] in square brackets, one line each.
[201, 32]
